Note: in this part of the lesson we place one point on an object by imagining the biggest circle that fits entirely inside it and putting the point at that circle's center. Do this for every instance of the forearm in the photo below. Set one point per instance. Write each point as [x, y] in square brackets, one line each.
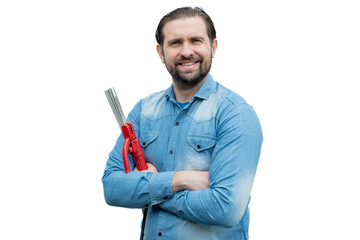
[134, 189]
[213, 206]
[190, 180]
[194, 201]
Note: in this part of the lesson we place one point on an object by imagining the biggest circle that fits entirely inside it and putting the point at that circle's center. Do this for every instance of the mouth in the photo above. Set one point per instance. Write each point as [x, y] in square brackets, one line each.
[188, 65]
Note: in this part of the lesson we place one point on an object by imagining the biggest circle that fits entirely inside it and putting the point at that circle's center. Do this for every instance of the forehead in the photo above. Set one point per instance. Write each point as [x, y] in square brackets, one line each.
[184, 28]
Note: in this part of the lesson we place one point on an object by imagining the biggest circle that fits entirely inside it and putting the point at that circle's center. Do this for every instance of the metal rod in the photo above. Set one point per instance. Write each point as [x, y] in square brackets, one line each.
[115, 106]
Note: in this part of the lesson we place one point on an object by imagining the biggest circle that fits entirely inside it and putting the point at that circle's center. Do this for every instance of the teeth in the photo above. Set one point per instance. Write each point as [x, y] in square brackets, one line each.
[188, 64]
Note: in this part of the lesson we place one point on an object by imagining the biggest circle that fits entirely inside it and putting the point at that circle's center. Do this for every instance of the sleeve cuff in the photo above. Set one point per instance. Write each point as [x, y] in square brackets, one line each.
[170, 205]
[161, 187]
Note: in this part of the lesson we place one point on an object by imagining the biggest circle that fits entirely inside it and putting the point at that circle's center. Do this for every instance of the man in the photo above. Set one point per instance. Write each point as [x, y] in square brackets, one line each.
[201, 142]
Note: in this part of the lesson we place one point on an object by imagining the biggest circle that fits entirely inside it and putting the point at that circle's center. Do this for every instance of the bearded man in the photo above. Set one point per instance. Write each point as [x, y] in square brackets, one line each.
[201, 142]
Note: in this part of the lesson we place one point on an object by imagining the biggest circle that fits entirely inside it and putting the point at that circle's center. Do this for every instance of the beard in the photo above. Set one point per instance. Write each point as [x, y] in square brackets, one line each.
[188, 79]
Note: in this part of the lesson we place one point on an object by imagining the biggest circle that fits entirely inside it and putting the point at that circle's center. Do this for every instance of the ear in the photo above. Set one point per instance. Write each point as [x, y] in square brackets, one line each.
[214, 47]
[160, 52]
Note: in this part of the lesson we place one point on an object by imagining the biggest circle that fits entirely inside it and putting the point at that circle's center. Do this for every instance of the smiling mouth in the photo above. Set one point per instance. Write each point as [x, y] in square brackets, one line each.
[188, 63]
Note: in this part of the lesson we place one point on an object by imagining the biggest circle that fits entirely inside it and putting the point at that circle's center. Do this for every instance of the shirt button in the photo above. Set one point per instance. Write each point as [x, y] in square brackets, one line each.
[171, 152]
[166, 197]
[159, 234]
[177, 123]
[198, 146]
[144, 143]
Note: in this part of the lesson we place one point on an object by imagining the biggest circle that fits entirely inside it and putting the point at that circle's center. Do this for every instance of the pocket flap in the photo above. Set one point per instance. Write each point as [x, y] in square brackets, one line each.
[200, 143]
[147, 137]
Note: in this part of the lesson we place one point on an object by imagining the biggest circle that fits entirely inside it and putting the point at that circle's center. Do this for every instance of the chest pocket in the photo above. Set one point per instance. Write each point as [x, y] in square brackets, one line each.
[198, 152]
[148, 143]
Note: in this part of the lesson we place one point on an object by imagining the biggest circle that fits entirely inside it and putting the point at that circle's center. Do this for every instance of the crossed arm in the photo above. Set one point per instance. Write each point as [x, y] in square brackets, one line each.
[199, 196]
[185, 180]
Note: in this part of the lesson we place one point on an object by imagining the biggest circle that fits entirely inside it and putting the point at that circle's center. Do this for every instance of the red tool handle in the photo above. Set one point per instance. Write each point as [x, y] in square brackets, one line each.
[125, 154]
[132, 146]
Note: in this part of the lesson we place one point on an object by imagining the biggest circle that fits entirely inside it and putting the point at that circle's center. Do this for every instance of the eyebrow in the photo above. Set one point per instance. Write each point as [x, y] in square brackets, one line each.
[173, 40]
[198, 37]
[180, 39]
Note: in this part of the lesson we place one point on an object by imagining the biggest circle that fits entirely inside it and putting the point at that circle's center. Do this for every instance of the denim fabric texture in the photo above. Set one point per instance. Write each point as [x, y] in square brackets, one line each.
[216, 132]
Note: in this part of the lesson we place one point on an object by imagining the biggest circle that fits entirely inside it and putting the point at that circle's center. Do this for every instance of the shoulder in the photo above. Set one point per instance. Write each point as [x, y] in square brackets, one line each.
[148, 103]
[154, 98]
[235, 115]
[154, 104]
[228, 95]
[235, 109]
[230, 102]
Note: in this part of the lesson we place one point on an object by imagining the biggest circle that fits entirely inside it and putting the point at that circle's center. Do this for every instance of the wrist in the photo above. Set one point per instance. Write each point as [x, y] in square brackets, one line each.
[179, 181]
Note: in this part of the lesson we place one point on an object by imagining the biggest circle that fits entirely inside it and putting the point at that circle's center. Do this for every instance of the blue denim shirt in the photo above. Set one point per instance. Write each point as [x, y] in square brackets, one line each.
[216, 132]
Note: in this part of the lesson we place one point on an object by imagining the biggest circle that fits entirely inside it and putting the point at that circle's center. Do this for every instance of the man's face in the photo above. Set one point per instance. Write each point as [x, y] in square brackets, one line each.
[187, 51]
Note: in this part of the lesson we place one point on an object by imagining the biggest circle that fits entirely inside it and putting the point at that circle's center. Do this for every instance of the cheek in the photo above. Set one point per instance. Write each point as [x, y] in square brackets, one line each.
[171, 53]
[169, 59]
[205, 52]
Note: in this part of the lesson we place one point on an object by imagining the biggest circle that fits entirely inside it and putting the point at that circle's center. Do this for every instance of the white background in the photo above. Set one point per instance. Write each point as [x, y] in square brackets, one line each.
[296, 62]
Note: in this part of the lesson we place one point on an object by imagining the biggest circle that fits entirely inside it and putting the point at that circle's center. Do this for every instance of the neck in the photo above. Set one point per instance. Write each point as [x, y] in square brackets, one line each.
[185, 95]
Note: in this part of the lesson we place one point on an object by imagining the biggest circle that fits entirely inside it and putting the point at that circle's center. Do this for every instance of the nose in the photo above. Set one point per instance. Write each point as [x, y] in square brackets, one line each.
[187, 50]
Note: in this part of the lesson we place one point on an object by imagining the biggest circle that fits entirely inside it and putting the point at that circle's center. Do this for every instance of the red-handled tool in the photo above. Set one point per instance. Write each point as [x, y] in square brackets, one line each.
[131, 144]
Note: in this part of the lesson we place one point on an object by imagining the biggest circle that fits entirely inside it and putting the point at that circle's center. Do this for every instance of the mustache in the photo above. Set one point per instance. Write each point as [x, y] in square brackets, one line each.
[189, 59]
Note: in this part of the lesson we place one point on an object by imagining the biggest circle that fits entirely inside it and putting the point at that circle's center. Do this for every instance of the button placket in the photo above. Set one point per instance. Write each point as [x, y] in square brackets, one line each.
[172, 142]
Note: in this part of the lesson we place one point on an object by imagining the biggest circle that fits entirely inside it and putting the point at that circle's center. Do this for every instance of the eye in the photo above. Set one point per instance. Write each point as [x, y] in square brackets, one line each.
[196, 40]
[174, 43]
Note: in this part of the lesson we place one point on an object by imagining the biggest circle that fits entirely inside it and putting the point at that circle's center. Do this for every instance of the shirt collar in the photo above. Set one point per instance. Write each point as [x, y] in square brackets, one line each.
[206, 89]
[204, 92]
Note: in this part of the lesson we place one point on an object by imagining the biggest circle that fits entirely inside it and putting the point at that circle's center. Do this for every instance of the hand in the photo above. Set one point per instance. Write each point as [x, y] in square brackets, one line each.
[151, 168]
[190, 180]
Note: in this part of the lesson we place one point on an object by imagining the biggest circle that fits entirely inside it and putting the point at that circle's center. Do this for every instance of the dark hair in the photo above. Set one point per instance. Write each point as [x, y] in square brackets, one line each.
[185, 12]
